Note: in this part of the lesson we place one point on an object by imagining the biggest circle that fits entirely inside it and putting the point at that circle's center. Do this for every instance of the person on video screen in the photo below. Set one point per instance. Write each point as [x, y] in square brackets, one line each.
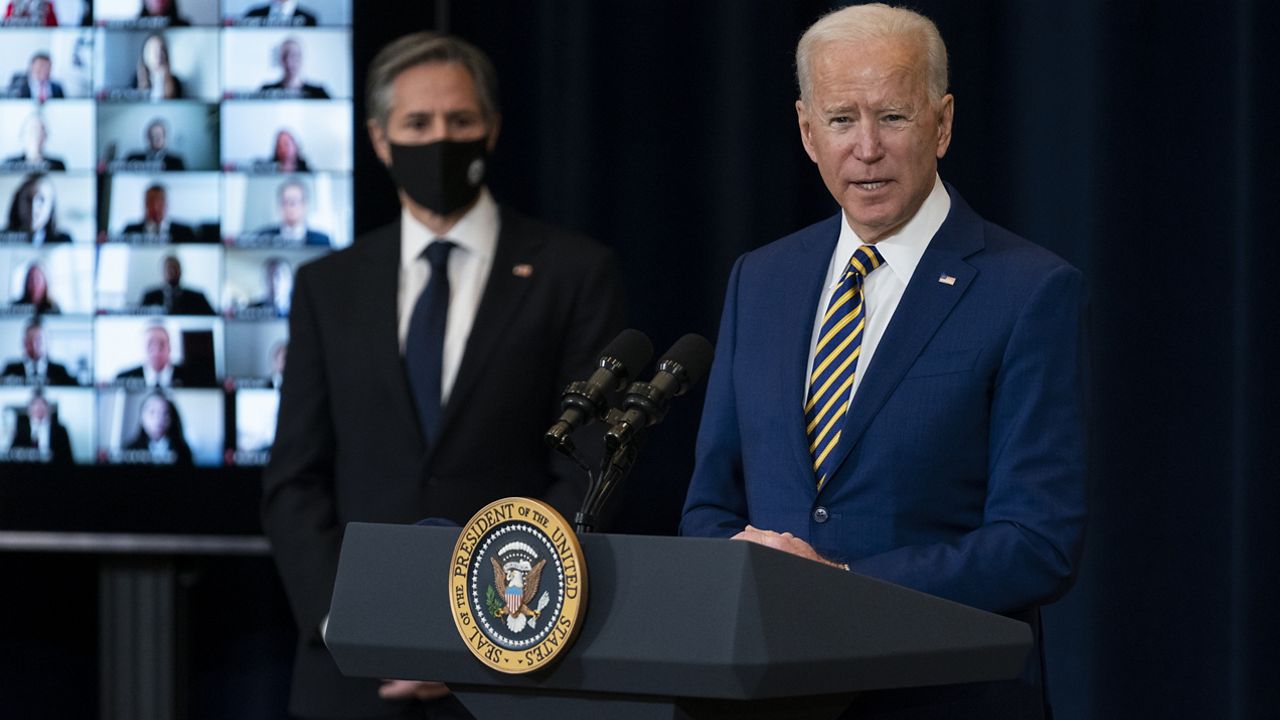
[36, 82]
[278, 278]
[279, 353]
[288, 55]
[286, 155]
[32, 212]
[39, 430]
[173, 296]
[33, 135]
[160, 432]
[281, 13]
[162, 13]
[35, 292]
[31, 12]
[35, 367]
[159, 369]
[156, 221]
[157, 156]
[153, 73]
[292, 230]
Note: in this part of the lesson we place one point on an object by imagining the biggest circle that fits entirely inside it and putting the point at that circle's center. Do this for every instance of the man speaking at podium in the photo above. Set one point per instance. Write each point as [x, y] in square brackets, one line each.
[897, 389]
[426, 361]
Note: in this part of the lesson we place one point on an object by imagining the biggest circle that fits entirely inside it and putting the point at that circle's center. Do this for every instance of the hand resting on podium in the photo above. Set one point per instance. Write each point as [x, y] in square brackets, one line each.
[786, 542]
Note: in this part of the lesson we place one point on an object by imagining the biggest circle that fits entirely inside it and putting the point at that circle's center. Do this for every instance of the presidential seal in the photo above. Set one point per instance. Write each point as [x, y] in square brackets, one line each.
[517, 585]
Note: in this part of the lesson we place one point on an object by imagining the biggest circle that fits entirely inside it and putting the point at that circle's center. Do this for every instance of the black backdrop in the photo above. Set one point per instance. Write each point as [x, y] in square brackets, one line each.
[1137, 140]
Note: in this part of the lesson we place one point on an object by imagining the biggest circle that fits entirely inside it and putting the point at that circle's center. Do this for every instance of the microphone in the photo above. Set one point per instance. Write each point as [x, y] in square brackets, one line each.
[585, 400]
[680, 368]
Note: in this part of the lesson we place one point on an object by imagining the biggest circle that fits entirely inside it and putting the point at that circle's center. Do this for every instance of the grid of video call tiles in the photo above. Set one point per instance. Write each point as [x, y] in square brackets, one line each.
[166, 166]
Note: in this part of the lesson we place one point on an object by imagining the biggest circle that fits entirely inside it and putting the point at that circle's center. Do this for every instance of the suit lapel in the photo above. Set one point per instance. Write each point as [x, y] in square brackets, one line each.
[925, 304]
[378, 310]
[503, 292]
[798, 300]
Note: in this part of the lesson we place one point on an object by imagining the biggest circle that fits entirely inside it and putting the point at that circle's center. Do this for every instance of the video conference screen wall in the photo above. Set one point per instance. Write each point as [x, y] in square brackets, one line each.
[165, 166]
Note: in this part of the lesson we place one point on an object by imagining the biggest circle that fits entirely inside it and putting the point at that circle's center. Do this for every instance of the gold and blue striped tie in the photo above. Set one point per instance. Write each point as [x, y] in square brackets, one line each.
[835, 360]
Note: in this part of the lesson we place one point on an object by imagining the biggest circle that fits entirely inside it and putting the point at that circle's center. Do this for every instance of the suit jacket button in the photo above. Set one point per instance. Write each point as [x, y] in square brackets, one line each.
[820, 514]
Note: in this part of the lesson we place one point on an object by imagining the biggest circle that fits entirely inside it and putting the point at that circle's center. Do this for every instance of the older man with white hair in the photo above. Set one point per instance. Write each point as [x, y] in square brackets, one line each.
[897, 389]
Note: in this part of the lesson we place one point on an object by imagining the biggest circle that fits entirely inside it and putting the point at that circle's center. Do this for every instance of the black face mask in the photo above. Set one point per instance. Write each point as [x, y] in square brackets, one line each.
[441, 176]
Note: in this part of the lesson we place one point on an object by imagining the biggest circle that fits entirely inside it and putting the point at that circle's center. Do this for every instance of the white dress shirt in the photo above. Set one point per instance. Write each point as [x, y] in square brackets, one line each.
[164, 378]
[296, 234]
[883, 288]
[157, 85]
[40, 89]
[40, 435]
[159, 447]
[282, 10]
[37, 369]
[475, 238]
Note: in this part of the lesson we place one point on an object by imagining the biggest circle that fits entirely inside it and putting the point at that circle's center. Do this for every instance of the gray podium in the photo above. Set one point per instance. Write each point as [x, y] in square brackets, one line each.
[674, 628]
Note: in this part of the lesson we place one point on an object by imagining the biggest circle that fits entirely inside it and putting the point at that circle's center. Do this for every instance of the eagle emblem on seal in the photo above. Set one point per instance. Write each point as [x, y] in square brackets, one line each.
[516, 578]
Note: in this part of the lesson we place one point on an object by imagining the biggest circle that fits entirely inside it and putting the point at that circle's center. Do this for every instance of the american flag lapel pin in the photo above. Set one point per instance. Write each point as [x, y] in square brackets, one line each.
[523, 270]
[946, 279]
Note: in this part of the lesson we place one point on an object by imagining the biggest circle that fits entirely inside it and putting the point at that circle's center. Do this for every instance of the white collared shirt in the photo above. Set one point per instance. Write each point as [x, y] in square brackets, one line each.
[883, 288]
[164, 378]
[35, 87]
[157, 85]
[282, 299]
[159, 446]
[293, 233]
[40, 435]
[37, 368]
[476, 239]
[283, 10]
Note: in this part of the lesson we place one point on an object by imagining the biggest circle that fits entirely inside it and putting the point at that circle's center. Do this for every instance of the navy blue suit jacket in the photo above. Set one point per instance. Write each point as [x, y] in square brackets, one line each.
[962, 457]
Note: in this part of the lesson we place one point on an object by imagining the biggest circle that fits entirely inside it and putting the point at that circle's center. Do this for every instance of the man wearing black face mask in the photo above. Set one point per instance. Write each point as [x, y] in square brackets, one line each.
[426, 360]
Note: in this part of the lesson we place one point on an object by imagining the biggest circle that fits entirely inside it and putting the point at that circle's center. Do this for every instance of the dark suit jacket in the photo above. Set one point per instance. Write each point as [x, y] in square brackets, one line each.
[301, 17]
[55, 373]
[185, 301]
[136, 376]
[178, 232]
[19, 162]
[348, 445]
[170, 161]
[266, 307]
[962, 457]
[21, 87]
[182, 455]
[59, 440]
[177, 87]
[271, 233]
[307, 91]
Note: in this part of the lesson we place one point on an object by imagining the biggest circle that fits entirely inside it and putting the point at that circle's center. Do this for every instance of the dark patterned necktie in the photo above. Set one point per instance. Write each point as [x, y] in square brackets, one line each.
[424, 346]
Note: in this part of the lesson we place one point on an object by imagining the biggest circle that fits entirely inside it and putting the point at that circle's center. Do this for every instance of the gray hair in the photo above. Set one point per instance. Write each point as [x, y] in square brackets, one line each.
[421, 48]
[864, 23]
